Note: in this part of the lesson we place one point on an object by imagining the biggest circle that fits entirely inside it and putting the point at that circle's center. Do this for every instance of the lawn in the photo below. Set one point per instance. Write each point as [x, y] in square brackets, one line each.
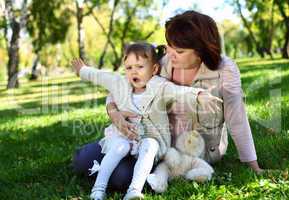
[45, 121]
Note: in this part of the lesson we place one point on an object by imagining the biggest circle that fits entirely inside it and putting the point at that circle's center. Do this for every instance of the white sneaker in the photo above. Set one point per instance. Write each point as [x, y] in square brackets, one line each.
[133, 195]
[97, 195]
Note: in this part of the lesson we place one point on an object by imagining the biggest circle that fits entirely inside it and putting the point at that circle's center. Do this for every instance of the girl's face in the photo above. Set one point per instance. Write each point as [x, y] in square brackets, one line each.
[183, 58]
[139, 71]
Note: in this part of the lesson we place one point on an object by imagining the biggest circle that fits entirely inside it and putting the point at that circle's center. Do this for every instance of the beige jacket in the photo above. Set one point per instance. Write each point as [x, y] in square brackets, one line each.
[158, 95]
[227, 86]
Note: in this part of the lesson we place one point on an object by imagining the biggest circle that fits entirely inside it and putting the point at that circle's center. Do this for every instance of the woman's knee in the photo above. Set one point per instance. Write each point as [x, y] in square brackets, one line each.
[122, 175]
[83, 157]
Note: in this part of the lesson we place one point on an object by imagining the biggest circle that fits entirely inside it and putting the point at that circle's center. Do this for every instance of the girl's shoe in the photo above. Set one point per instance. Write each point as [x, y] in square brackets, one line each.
[133, 195]
[97, 194]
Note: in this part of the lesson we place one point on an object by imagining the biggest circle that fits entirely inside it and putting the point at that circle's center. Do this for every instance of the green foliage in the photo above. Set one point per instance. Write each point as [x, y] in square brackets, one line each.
[263, 24]
[2, 75]
[130, 19]
[48, 23]
[234, 39]
[2, 22]
[97, 2]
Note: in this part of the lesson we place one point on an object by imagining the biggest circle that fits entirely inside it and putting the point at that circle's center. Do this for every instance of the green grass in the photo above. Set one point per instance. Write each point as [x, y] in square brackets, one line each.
[44, 122]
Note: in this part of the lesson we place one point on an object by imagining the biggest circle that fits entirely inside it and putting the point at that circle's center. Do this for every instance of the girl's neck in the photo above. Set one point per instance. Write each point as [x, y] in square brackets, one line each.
[138, 90]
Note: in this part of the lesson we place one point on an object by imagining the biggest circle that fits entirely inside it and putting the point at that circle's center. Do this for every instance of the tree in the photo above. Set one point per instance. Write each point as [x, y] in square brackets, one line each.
[48, 23]
[283, 6]
[126, 27]
[262, 21]
[16, 19]
[234, 39]
[107, 33]
[82, 11]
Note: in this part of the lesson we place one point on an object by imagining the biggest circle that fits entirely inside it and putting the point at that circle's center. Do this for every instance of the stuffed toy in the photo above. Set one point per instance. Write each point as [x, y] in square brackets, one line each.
[185, 160]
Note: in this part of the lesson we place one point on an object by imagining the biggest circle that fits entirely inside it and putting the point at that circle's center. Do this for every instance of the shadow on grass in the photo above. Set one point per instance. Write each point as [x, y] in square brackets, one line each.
[258, 88]
[49, 84]
[37, 161]
[272, 154]
[285, 83]
[256, 60]
[272, 147]
[28, 84]
[269, 66]
[37, 109]
[36, 164]
[61, 89]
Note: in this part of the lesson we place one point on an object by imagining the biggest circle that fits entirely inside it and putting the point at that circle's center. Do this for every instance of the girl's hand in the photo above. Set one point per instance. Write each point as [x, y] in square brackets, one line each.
[209, 102]
[120, 120]
[77, 64]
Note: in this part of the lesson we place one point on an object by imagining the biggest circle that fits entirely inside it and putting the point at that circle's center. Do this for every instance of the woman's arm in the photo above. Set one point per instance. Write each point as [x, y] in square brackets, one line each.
[235, 115]
[119, 118]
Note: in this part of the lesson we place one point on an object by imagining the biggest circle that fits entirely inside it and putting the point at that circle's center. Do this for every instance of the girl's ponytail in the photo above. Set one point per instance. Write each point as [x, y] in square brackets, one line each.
[160, 51]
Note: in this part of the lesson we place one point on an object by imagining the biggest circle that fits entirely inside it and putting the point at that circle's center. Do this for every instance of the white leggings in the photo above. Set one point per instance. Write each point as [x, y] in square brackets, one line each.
[148, 149]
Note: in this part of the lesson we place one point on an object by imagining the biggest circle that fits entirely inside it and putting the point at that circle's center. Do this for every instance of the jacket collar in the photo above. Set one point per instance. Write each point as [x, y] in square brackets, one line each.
[152, 90]
[204, 73]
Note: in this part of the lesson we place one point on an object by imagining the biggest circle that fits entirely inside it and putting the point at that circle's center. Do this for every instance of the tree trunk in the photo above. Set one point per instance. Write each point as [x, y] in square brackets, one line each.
[259, 50]
[271, 31]
[34, 74]
[101, 58]
[13, 56]
[285, 49]
[13, 49]
[80, 30]
[117, 60]
[110, 30]
[235, 51]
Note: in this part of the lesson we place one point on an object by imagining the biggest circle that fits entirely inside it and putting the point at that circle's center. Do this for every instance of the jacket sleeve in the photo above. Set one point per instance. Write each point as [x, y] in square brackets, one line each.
[235, 114]
[102, 78]
[109, 99]
[182, 94]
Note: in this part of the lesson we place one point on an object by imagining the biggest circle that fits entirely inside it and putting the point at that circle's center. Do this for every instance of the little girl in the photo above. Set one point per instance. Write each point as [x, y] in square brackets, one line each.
[143, 92]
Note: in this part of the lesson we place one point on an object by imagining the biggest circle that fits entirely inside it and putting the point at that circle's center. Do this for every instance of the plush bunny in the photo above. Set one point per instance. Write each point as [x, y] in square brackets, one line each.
[184, 160]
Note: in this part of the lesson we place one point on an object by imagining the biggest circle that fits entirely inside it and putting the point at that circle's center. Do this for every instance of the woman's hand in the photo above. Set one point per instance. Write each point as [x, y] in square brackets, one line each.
[255, 167]
[77, 65]
[209, 102]
[120, 120]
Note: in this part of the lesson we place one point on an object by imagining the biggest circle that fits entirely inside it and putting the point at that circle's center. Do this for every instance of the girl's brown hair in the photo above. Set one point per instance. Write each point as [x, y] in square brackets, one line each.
[145, 50]
[193, 30]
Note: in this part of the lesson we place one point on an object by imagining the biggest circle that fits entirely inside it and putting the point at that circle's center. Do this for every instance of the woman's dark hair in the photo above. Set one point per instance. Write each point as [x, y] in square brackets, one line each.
[145, 50]
[193, 30]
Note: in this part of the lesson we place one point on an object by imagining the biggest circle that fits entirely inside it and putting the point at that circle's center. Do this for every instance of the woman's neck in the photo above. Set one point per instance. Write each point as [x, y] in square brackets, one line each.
[182, 76]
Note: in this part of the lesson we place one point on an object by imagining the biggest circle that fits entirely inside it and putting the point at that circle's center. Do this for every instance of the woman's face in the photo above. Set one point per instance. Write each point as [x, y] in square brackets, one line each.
[183, 58]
